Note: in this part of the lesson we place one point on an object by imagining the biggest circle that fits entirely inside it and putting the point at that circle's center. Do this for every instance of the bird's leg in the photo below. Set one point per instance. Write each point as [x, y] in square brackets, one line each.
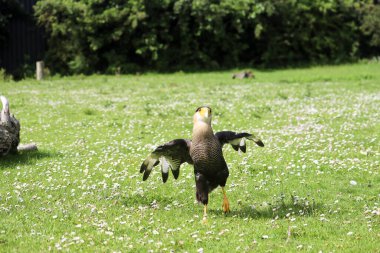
[226, 203]
[204, 220]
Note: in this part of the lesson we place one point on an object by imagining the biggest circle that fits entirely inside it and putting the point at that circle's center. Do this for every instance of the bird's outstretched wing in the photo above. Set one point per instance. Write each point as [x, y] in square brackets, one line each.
[237, 140]
[169, 155]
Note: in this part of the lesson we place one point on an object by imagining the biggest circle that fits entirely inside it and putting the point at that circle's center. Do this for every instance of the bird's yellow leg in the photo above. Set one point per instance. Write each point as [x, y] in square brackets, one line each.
[204, 220]
[226, 203]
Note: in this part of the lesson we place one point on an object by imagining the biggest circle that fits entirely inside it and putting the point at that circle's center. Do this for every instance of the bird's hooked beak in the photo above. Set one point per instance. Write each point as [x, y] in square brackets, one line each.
[203, 114]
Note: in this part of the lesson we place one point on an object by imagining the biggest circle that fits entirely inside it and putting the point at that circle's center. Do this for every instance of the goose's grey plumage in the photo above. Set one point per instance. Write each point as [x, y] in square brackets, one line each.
[9, 129]
[204, 152]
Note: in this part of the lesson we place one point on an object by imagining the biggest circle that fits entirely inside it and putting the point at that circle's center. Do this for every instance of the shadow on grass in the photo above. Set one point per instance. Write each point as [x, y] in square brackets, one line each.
[279, 210]
[148, 200]
[13, 160]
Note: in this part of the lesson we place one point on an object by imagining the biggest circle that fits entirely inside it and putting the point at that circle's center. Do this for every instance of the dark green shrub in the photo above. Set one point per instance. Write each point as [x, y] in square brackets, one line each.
[118, 36]
[308, 32]
[91, 35]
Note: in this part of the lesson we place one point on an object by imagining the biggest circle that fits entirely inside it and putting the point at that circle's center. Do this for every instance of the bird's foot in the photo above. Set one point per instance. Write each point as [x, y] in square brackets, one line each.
[204, 220]
[226, 205]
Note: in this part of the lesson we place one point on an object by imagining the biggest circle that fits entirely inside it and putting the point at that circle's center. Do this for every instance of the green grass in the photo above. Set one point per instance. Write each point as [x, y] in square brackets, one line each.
[313, 187]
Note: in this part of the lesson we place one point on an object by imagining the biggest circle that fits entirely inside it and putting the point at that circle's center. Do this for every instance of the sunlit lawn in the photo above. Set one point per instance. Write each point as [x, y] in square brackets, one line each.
[315, 186]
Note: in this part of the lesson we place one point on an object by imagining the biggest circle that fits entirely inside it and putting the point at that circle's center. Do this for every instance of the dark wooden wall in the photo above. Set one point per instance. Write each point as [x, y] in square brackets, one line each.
[25, 44]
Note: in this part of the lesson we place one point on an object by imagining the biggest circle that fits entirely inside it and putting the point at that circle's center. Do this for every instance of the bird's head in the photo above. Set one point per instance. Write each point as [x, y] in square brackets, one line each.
[203, 114]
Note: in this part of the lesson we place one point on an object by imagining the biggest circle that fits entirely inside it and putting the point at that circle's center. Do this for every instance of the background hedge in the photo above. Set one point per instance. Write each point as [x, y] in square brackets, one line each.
[111, 36]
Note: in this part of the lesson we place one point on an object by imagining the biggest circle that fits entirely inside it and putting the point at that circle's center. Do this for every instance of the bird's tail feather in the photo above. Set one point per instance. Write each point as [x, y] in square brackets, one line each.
[256, 140]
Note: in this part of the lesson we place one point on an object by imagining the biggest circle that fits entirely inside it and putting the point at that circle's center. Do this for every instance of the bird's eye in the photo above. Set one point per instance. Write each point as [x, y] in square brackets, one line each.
[198, 109]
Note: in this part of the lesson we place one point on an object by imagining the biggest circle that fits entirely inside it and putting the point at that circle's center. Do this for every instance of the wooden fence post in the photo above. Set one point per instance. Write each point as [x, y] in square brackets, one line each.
[39, 70]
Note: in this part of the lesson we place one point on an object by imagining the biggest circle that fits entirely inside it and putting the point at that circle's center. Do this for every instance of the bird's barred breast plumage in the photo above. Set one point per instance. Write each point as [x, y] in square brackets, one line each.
[207, 155]
[210, 168]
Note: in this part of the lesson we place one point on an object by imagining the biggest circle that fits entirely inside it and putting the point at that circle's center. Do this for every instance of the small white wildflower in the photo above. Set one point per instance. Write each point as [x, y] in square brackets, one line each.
[108, 233]
[353, 182]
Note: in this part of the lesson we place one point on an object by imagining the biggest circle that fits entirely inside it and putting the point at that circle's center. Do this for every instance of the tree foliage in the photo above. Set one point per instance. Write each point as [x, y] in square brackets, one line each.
[120, 36]
[370, 25]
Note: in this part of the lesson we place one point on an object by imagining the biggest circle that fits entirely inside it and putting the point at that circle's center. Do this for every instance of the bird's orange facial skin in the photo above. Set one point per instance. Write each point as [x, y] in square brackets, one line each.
[203, 114]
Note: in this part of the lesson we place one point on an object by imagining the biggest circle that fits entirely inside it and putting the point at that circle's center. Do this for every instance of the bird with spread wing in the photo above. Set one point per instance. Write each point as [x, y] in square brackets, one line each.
[204, 152]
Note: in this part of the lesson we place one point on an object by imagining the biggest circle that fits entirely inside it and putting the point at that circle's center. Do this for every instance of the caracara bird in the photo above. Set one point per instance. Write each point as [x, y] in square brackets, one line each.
[204, 151]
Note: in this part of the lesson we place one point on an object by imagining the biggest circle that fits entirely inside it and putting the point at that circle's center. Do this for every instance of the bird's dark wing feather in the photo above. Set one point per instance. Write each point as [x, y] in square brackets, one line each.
[237, 140]
[169, 155]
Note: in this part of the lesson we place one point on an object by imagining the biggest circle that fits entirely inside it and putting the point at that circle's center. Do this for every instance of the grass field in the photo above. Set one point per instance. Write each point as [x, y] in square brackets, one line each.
[314, 187]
